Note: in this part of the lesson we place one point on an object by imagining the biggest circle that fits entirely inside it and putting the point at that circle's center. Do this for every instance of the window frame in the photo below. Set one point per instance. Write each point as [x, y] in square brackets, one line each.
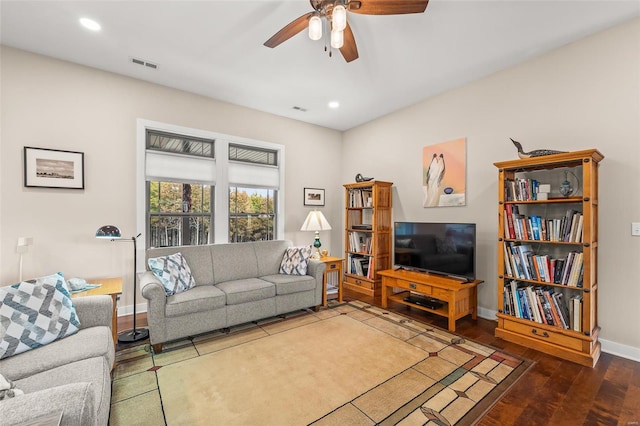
[221, 183]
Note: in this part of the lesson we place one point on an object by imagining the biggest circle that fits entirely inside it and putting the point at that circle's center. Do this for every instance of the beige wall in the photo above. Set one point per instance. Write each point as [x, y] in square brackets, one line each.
[54, 104]
[585, 95]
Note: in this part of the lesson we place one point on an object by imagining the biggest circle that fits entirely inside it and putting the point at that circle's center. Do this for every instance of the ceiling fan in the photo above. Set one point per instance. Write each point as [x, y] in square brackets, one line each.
[333, 14]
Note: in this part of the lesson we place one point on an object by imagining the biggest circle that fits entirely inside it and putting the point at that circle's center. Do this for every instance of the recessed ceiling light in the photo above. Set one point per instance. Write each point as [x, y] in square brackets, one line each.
[334, 104]
[90, 24]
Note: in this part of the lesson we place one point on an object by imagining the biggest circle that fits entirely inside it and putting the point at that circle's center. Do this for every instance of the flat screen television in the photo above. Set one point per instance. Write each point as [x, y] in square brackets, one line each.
[441, 248]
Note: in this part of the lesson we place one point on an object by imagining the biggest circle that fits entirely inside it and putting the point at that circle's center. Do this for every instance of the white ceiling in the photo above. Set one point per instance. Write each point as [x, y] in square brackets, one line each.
[215, 48]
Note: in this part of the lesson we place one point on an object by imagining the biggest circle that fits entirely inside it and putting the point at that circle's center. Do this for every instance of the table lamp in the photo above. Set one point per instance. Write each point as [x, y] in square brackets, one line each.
[316, 221]
[113, 233]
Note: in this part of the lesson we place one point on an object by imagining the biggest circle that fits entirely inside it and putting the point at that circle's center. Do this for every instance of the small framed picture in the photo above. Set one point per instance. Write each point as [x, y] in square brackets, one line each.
[53, 168]
[313, 197]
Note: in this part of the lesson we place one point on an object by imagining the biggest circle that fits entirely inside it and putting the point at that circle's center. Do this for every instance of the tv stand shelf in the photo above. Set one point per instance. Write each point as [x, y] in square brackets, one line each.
[459, 298]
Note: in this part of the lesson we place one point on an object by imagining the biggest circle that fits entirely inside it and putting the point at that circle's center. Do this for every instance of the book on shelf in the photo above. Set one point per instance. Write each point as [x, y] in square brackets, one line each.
[576, 313]
[542, 305]
[521, 262]
[569, 228]
[359, 198]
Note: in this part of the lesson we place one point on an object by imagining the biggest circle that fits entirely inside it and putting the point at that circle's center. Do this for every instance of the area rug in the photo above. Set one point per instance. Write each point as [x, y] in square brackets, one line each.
[349, 364]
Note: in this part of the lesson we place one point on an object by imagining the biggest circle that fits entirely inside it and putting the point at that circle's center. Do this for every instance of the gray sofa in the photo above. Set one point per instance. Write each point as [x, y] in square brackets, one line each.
[235, 284]
[71, 376]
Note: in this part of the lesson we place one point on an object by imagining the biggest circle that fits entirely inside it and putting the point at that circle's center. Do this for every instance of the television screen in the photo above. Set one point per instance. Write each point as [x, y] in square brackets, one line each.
[441, 248]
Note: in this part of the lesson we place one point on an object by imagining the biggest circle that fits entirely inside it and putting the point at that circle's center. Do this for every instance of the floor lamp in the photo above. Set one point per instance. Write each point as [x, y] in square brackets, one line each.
[113, 233]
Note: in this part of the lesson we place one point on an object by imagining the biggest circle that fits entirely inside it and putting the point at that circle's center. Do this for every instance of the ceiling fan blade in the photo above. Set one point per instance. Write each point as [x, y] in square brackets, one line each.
[291, 29]
[349, 49]
[388, 7]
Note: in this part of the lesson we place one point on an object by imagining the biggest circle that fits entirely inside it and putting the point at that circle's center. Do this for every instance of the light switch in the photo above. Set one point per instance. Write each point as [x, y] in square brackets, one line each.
[635, 229]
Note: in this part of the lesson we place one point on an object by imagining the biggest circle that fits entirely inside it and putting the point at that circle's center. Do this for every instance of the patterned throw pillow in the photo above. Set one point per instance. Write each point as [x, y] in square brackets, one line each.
[296, 260]
[174, 273]
[34, 313]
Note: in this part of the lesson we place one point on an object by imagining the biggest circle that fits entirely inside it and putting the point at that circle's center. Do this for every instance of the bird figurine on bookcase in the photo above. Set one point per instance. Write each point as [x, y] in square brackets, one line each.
[360, 178]
[535, 152]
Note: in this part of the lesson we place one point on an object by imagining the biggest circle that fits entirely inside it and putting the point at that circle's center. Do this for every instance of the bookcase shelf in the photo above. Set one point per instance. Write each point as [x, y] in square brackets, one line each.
[547, 281]
[367, 235]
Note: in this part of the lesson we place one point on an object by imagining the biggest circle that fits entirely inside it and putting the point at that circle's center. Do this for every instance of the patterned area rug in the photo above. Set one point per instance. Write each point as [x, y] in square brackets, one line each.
[351, 363]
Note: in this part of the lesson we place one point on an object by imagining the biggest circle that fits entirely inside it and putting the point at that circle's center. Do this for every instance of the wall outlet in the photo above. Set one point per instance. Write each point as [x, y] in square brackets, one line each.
[635, 229]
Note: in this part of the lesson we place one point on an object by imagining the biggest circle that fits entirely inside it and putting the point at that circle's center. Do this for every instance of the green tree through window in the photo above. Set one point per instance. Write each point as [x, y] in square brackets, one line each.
[251, 214]
[179, 213]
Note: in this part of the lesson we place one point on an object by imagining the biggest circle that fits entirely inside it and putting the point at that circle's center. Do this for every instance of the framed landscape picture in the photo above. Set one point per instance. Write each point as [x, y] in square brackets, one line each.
[313, 197]
[53, 168]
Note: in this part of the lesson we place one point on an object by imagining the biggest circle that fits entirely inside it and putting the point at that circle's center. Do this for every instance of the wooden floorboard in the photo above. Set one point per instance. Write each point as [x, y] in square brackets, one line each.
[552, 392]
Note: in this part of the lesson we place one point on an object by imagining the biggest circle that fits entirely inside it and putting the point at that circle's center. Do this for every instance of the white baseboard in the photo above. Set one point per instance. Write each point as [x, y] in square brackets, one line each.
[608, 346]
[488, 314]
[128, 310]
[624, 351]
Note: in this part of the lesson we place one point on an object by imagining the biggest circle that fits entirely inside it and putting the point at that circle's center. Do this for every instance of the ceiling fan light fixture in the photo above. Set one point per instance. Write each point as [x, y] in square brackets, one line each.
[315, 28]
[339, 17]
[337, 39]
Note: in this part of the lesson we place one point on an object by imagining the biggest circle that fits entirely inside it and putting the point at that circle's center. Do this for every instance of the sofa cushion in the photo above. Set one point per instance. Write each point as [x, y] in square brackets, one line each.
[287, 284]
[295, 260]
[87, 343]
[247, 290]
[234, 261]
[173, 272]
[269, 255]
[34, 313]
[198, 299]
[198, 257]
[95, 371]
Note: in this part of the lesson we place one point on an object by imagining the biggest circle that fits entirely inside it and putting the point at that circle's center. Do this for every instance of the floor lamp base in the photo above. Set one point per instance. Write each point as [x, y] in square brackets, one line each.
[133, 335]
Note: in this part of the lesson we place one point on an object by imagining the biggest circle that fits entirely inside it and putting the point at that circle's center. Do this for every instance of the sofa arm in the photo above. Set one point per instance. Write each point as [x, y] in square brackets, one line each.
[154, 292]
[316, 269]
[94, 311]
[75, 401]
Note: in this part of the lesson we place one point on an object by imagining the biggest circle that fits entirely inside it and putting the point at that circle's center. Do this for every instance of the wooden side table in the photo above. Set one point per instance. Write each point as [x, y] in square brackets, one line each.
[111, 287]
[334, 266]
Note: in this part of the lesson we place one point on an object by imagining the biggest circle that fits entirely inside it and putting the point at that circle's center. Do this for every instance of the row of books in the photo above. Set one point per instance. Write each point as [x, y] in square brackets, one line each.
[521, 262]
[521, 189]
[543, 306]
[566, 229]
[360, 197]
[360, 242]
[361, 265]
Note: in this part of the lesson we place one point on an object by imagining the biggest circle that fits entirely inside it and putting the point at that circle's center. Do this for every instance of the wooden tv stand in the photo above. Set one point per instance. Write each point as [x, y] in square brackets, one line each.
[459, 299]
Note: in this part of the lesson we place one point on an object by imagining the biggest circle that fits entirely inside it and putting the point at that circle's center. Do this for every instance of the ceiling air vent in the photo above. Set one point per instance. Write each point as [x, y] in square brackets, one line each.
[297, 108]
[144, 63]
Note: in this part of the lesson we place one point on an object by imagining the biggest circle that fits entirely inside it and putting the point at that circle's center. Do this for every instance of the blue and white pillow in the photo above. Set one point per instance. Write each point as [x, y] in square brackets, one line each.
[296, 260]
[34, 313]
[173, 272]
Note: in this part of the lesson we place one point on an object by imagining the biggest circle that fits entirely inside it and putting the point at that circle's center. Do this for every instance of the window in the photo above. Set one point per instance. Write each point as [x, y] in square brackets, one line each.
[179, 213]
[251, 214]
[200, 187]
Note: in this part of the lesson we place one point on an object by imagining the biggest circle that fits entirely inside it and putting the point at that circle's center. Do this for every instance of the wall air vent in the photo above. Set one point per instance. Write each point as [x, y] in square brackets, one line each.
[144, 63]
[297, 108]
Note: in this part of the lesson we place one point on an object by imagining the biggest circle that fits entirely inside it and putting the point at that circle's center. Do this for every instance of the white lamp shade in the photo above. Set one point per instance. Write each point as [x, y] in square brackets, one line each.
[337, 39]
[339, 18]
[315, 28]
[315, 221]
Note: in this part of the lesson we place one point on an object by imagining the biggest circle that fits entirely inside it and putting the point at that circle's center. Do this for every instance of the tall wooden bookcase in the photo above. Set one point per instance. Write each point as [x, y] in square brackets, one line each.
[367, 235]
[548, 254]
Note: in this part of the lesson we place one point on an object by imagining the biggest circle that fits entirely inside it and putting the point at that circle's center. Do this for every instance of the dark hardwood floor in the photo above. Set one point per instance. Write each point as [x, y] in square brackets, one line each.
[552, 392]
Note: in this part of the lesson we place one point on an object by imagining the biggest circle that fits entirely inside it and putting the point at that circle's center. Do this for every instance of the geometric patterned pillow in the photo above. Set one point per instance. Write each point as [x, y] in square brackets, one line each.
[34, 313]
[296, 260]
[174, 273]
